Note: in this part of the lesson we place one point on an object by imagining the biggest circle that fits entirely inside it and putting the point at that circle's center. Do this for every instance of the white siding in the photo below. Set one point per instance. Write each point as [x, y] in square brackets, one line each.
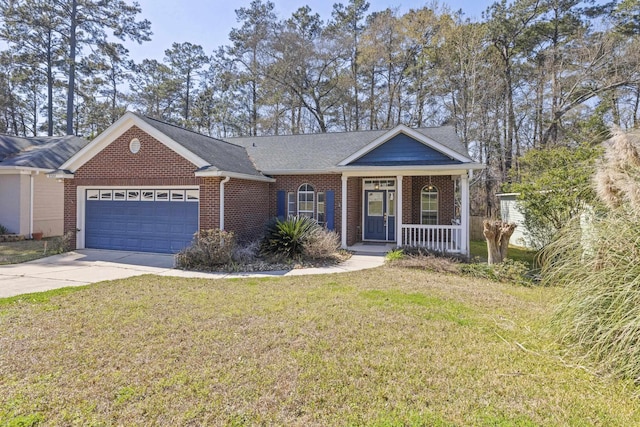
[48, 206]
[509, 212]
[14, 203]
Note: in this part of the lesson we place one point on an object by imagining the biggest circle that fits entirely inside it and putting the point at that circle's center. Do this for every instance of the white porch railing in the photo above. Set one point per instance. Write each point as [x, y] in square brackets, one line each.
[443, 238]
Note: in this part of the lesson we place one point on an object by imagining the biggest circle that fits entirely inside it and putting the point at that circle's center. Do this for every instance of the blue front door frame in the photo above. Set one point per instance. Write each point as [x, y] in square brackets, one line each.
[374, 218]
[378, 224]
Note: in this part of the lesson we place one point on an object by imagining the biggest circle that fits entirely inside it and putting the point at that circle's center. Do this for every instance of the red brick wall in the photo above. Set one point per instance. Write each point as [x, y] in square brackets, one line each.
[407, 200]
[320, 183]
[446, 195]
[246, 208]
[354, 210]
[154, 165]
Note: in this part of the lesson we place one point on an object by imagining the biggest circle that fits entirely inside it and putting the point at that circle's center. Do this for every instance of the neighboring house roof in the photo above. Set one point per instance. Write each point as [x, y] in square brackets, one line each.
[326, 151]
[40, 152]
[221, 155]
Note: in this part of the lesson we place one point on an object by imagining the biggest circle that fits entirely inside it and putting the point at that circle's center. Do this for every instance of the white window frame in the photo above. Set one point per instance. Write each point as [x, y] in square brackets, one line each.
[321, 207]
[430, 189]
[291, 203]
[307, 191]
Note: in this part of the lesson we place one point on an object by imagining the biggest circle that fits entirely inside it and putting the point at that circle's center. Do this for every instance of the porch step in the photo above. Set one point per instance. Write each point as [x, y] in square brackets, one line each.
[371, 248]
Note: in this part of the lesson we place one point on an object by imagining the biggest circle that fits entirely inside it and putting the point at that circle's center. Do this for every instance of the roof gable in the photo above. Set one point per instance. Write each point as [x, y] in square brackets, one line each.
[123, 124]
[204, 152]
[403, 146]
[403, 150]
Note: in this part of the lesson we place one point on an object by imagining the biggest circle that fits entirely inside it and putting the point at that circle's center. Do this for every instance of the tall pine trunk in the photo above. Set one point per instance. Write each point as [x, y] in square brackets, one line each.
[72, 66]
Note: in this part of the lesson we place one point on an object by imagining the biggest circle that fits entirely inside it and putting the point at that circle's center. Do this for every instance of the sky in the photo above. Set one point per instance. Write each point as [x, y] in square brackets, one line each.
[208, 22]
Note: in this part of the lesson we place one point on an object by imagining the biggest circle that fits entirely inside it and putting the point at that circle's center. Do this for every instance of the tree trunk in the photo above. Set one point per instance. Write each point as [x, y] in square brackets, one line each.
[497, 234]
[72, 66]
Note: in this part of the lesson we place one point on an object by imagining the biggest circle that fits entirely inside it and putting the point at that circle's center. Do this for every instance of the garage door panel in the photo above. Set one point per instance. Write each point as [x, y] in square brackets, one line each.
[148, 226]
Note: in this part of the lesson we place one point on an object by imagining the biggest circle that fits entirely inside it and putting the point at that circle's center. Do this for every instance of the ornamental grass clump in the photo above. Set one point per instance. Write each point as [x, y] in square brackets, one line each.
[596, 259]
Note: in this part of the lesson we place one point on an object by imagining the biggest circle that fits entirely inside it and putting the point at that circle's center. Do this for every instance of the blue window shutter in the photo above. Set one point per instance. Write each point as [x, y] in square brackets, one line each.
[282, 204]
[330, 209]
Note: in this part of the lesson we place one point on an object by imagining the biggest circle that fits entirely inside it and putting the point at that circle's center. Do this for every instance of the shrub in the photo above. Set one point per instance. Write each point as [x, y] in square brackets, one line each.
[287, 238]
[60, 244]
[209, 249]
[429, 262]
[246, 254]
[394, 255]
[426, 252]
[321, 244]
[3, 229]
[554, 186]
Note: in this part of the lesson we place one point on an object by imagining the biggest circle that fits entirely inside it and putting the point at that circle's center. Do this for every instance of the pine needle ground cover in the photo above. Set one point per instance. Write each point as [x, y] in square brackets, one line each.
[381, 347]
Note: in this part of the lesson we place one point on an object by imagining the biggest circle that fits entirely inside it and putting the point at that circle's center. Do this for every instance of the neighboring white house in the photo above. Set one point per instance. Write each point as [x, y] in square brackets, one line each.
[29, 201]
[511, 212]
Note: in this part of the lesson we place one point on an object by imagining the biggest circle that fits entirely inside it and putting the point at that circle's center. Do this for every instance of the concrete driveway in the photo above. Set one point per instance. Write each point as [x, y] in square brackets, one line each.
[86, 266]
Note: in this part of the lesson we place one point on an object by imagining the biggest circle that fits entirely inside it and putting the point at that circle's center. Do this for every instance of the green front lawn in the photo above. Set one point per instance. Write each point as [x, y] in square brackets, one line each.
[384, 347]
[478, 248]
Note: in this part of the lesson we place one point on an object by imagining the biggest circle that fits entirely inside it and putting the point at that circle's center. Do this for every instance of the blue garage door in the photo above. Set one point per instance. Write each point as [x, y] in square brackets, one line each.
[141, 220]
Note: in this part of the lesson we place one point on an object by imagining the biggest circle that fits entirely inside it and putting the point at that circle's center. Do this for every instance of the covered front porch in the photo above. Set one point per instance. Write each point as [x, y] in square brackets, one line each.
[427, 208]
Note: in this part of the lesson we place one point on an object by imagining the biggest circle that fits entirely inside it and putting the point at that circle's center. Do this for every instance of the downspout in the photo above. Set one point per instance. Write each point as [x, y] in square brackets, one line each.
[222, 183]
[31, 205]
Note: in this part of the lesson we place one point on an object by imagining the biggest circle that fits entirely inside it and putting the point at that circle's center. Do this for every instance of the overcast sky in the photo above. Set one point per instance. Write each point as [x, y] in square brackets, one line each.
[208, 22]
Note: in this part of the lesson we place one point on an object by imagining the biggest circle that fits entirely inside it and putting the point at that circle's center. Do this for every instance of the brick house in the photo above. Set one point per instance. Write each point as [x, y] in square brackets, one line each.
[146, 185]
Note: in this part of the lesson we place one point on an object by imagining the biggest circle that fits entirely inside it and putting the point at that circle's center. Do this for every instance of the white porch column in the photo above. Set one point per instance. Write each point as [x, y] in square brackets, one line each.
[399, 210]
[464, 214]
[343, 207]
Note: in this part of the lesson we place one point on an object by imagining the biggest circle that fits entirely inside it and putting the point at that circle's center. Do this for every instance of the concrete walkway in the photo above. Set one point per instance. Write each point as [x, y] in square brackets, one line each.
[86, 266]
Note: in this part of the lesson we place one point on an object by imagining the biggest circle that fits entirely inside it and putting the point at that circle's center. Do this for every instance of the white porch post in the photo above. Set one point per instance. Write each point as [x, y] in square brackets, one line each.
[464, 214]
[399, 210]
[343, 207]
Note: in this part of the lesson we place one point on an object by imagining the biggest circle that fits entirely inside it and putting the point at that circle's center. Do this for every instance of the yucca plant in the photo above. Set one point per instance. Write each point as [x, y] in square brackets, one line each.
[286, 238]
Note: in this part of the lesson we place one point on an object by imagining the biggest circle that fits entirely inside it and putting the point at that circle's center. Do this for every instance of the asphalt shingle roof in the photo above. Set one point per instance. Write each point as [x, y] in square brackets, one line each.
[222, 155]
[315, 152]
[43, 152]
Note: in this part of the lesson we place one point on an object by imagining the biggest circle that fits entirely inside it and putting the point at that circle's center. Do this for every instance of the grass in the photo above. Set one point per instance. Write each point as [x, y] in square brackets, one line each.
[478, 248]
[22, 251]
[381, 347]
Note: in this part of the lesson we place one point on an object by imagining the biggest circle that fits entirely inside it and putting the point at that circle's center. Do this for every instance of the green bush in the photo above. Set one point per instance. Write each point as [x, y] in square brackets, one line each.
[209, 249]
[287, 238]
[394, 255]
[555, 185]
[3, 229]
